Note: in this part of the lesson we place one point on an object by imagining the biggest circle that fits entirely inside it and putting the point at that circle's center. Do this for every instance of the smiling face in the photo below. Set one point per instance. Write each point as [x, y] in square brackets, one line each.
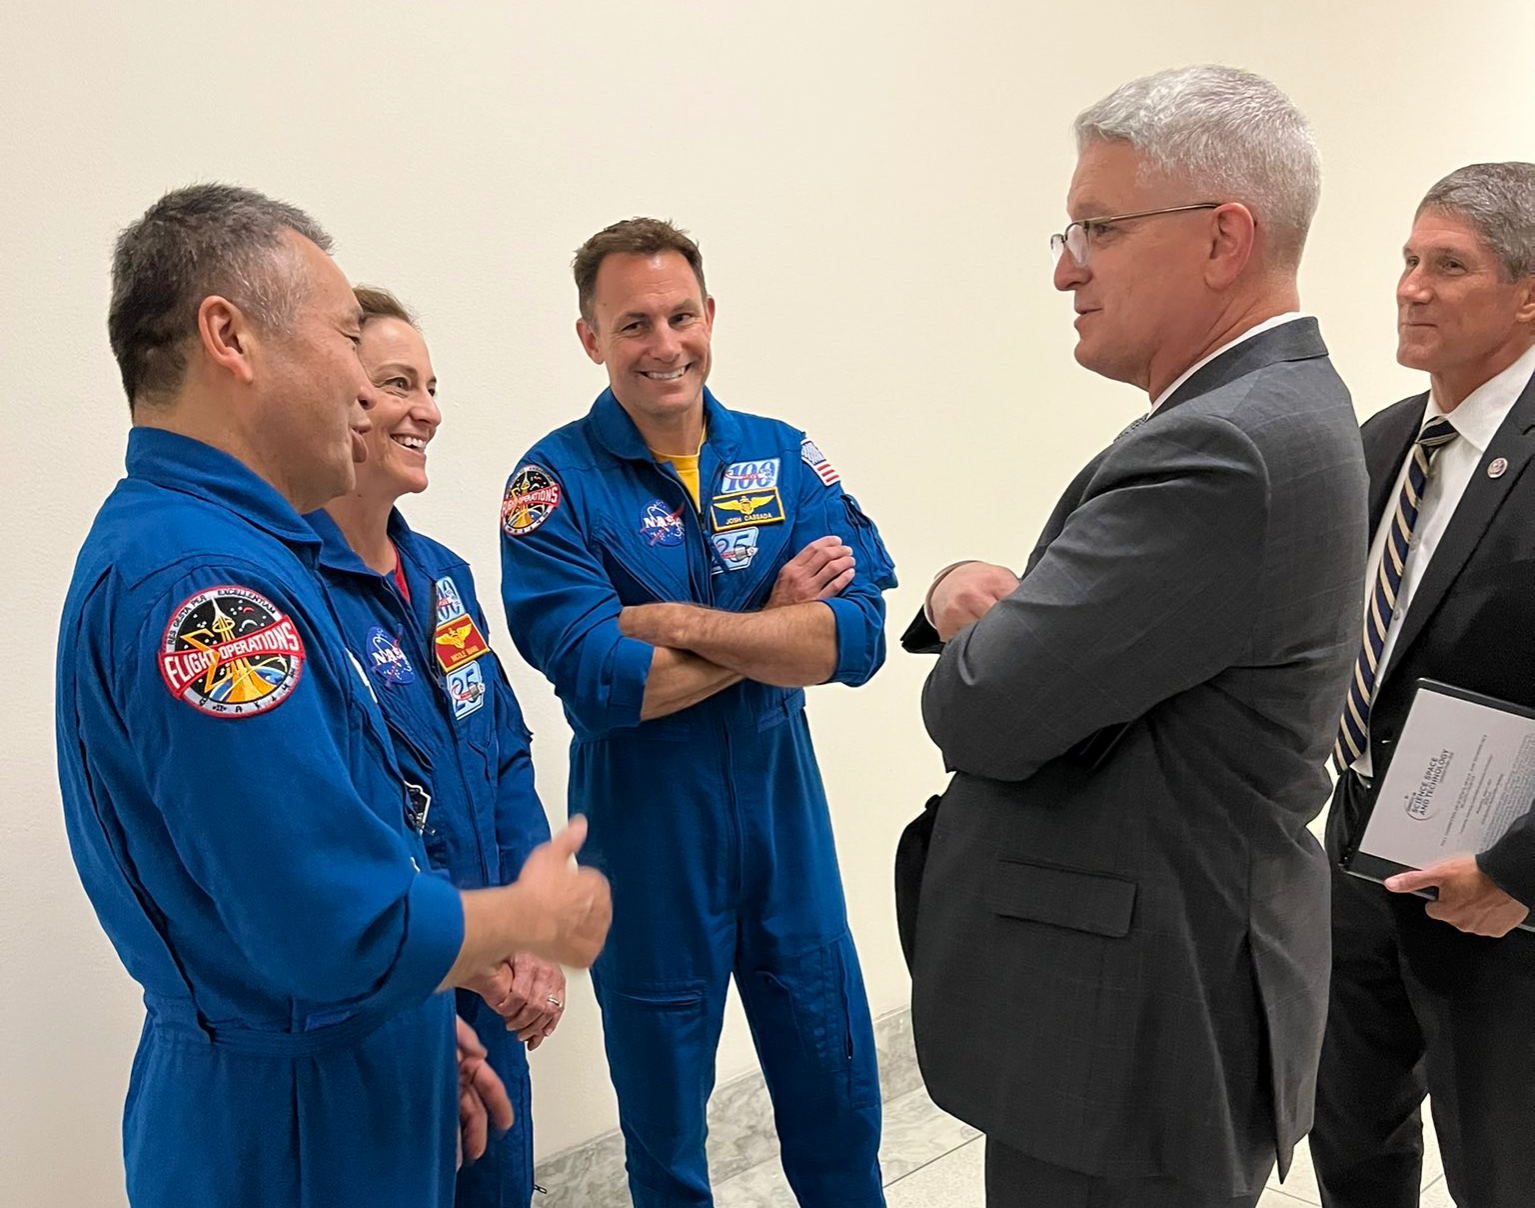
[1140, 298]
[314, 395]
[1458, 318]
[650, 327]
[405, 414]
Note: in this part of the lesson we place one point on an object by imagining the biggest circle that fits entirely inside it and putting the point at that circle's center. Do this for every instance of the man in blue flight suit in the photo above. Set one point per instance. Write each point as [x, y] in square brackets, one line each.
[410, 606]
[681, 572]
[236, 813]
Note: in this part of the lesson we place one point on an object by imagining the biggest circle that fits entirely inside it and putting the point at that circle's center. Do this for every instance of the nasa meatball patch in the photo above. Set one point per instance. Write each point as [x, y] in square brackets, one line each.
[228, 651]
[531, 497]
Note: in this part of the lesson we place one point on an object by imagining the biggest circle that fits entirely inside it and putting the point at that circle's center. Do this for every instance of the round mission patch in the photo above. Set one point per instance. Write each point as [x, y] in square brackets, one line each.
[228, 651]
[531, 497]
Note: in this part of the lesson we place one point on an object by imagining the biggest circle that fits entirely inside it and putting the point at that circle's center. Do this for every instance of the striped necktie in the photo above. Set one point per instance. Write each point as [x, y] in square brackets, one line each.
[1354, 727]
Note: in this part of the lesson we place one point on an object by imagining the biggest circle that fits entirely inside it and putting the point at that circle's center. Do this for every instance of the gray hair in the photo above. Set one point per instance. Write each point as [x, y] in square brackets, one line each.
[1232, 134]
[1498, 202]
[193, 243]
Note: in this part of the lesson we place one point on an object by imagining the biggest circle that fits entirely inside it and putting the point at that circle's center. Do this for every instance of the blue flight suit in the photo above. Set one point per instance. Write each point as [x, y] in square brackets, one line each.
[240, 824]
[711, 823]
[453, 714]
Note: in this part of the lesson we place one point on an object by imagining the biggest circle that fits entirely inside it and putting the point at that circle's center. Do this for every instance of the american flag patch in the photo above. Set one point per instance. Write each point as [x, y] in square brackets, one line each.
[816, 460]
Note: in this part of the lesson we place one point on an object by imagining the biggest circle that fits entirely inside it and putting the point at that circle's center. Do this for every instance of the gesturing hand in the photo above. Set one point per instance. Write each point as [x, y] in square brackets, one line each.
[482, 1098]
[1468, 898]
[568, 907]
[966, 594]
[820, 570]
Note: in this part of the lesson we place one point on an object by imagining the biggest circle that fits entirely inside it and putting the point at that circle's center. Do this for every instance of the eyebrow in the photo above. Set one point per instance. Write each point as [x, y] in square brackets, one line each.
[1439, 249]
[397, 367]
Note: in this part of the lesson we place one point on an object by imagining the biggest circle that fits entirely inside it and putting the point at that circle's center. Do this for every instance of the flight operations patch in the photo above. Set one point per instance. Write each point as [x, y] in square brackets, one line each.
[531, 498]
[229, 652]
[727, 512]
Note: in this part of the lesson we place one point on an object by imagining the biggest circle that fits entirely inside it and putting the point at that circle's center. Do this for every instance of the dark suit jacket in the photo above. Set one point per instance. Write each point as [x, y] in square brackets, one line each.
[1471, 622]
[1121, 961]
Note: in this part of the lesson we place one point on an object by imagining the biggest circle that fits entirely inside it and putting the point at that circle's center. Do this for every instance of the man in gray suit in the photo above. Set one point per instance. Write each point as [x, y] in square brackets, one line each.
[1121, 956]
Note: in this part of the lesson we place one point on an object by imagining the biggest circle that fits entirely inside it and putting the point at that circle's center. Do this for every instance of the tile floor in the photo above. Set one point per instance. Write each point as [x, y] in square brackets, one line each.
[932, 1160]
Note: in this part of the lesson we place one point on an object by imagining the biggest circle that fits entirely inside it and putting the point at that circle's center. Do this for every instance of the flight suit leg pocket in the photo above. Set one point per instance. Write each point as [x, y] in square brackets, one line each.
[810, 1017]
[660, 1050]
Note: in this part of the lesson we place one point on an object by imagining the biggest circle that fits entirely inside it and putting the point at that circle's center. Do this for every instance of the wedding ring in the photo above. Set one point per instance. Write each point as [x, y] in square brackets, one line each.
[554, 1002]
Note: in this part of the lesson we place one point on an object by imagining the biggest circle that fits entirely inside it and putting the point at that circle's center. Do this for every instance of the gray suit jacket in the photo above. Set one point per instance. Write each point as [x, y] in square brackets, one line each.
[1121, 961]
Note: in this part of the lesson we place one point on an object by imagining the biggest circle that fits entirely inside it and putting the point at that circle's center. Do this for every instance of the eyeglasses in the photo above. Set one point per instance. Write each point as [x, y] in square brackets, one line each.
[1077, 238]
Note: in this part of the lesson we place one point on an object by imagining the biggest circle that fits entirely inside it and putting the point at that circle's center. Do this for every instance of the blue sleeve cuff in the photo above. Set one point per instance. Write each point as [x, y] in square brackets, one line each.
[860, 641]
[434, 933]
[626, 673]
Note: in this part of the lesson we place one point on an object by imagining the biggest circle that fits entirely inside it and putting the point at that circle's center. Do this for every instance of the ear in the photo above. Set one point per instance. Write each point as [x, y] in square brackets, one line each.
[588, 338]
[709, 310]
[1525, 311]
[225, 335]
[1233, 234]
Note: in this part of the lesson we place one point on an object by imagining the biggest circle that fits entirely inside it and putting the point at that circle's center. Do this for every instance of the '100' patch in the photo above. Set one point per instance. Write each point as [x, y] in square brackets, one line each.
[228, 651]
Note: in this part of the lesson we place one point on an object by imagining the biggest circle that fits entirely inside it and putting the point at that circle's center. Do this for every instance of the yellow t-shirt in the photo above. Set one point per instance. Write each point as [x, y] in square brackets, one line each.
[686, 466]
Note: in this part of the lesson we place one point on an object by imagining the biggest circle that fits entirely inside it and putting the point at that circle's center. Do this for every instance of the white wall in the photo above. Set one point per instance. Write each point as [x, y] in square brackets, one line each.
[873, 185]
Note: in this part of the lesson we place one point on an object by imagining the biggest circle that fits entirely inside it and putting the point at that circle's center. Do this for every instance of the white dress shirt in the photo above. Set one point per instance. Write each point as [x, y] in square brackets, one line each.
[1476, 420]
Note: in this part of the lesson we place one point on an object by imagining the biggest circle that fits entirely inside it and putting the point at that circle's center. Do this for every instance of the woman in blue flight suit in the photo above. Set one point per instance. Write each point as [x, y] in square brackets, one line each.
[409, 605]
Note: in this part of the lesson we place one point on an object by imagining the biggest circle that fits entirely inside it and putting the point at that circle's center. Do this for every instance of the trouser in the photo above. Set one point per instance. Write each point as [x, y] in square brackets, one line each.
[722, 864]
[1418, 1008]
[1015, 1180]
[361, 1114]
[503, 1177]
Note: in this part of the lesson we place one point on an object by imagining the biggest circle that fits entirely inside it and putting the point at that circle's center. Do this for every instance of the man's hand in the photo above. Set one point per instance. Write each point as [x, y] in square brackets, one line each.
[966, 594]
[482, 1098]
[820, 570]
[569, 907]
[1468, 899]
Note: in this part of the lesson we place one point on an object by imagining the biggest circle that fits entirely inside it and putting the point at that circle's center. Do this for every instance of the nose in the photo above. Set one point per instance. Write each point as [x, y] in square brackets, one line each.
[367, 399]
[1413, 287]
[1068, 273]
[426, 411]
[666, 344]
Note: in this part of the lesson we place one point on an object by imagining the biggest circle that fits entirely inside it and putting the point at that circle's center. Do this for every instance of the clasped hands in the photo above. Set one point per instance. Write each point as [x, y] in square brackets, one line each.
[529, 995]
[964, 593]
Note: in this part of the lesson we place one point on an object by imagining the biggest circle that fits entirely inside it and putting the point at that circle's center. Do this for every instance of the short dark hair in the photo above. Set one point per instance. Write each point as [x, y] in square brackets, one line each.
[631, 237]
[193, 243]
[1498, 202]
[379, 303]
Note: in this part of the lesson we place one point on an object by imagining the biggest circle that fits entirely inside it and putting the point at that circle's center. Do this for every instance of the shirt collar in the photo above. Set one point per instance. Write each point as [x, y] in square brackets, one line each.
[1259, 329]
[616, 431]
[1483, 411]
[337, 553]
[180, 463]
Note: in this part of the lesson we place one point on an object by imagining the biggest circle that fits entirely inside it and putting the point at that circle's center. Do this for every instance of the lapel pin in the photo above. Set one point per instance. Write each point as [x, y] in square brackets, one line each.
[1497, 467]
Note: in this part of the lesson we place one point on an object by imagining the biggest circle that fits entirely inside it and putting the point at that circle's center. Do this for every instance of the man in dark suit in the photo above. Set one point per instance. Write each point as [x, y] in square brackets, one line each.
[1440, 999]
[1121, 957]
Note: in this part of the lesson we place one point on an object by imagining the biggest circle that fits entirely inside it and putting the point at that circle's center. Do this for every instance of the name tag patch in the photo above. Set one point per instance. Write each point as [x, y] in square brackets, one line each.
[750, 475]
[737, 510]
[457, 642]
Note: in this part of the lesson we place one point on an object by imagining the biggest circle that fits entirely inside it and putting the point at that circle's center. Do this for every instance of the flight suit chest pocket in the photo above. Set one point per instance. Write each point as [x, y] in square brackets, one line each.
[642, 570]
[1099, 903]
